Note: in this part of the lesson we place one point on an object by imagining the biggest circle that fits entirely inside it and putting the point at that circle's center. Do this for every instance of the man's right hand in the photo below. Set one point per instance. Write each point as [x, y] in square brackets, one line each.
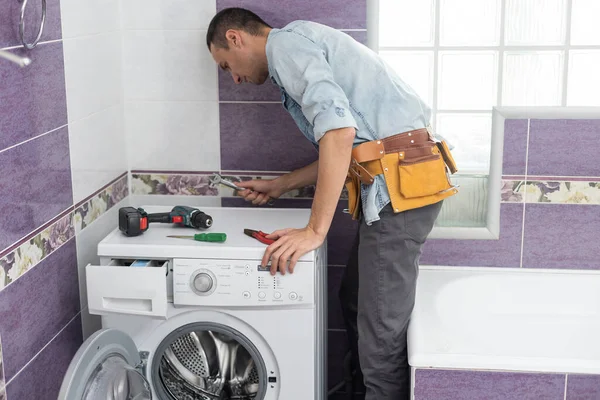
[260, 191]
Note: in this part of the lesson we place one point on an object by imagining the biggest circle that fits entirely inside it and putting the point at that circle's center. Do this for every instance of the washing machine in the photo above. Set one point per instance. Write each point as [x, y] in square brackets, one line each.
[190, 320]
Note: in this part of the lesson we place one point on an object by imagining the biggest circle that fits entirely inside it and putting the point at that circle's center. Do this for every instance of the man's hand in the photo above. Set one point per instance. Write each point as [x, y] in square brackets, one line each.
[291, 244]
[260, 191]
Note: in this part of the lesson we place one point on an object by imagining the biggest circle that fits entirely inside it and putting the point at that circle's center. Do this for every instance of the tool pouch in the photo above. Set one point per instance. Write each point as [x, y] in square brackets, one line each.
[422, 172]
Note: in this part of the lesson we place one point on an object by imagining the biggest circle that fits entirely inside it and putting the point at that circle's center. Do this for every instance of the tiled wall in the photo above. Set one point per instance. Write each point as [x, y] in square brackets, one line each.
[170, 86]
[550, 218]
[62, 167]
[550, 209]
[468, 385]
[93, 70]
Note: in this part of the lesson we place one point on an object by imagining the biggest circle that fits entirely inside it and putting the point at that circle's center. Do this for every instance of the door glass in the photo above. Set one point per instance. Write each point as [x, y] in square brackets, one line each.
[114, 379]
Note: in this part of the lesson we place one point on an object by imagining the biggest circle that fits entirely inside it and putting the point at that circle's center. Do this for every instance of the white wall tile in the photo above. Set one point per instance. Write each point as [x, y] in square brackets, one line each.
[86, 17]
[168, 14]
[98, 151]
[92, 74]
[180, 136]
[168, 66]
[87, 253]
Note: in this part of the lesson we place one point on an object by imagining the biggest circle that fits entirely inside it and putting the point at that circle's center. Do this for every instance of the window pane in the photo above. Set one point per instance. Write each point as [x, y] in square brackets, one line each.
[535, 22]
[406, 23]
[470, 134]
[532, 79]
[415, 68]
[467, 80]
[469, 207]
[469, 22]
[585, 28]
[584, 81]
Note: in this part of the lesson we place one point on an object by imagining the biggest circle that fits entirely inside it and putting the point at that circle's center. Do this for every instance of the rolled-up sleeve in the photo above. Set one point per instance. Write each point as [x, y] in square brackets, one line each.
[304, 72]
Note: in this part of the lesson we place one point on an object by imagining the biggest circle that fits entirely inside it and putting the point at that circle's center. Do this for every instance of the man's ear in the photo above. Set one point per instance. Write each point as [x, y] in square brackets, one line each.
[233, 37]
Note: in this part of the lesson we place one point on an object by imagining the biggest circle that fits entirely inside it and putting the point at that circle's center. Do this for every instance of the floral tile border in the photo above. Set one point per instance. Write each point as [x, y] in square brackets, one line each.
[2, 381]
[512, 191]
[546, 191]
[563, 192]
[197, 184]
[44, 241]
[186, 184]
[92, 208]
[14, 264]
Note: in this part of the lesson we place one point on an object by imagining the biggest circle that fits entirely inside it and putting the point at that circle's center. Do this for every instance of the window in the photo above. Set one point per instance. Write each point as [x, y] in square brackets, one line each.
[465, 57]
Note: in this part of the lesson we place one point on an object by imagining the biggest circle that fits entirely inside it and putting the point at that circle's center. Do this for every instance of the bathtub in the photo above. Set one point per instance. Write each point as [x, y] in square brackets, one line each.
[506, 320]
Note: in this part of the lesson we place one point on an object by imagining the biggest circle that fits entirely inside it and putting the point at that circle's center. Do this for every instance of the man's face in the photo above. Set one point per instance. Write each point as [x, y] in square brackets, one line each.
[244, 62]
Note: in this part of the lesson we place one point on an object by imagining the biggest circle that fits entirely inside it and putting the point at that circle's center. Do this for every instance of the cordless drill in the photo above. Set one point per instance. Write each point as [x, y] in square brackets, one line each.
[134, 221]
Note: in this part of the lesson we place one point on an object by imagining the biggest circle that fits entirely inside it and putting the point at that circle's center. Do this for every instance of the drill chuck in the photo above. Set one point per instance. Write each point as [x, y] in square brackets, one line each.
[201, 220]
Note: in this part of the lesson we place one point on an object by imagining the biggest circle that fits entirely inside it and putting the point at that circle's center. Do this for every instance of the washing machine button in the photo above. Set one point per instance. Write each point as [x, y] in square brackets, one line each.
[277, 295]
[293, 296]
[246, 295]
[262, 295]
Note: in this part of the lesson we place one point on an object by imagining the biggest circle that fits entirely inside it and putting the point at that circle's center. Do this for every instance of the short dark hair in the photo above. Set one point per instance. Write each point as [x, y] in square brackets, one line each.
[233, 18]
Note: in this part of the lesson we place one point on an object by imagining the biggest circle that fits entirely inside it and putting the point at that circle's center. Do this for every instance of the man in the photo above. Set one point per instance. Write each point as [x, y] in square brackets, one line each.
[342, 95]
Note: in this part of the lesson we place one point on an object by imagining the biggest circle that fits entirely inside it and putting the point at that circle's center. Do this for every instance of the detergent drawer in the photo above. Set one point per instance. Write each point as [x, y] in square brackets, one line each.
[121, 288]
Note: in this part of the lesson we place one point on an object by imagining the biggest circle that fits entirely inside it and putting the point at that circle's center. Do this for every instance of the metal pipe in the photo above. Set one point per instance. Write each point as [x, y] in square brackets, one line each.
[20, 61]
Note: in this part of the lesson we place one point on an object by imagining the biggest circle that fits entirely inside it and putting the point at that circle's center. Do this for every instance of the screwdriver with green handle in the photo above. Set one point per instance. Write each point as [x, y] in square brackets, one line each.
[204, 237]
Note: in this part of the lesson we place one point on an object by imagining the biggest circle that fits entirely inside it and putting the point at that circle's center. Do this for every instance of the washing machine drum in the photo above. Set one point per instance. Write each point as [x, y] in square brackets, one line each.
[193, 363]
[208, 365]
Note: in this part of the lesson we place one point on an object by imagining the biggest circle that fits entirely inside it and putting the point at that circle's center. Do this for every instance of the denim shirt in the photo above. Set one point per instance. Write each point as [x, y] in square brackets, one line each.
[329, 81]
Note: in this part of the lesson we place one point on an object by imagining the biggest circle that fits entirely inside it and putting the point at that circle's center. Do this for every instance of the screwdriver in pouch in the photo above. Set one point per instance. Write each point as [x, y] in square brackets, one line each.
[204, 237]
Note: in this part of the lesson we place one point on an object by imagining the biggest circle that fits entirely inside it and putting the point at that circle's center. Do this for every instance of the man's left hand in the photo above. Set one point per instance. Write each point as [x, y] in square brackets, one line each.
[290, 244]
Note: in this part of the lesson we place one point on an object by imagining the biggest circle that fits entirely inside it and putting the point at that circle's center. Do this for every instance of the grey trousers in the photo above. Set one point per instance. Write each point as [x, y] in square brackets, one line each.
[378, 294]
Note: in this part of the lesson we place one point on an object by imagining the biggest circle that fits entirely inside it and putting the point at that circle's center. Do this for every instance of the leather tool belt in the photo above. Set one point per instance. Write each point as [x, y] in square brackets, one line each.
[415, 168]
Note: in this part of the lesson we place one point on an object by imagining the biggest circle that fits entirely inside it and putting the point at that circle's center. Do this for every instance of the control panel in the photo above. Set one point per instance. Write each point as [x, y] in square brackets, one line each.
[240, 283]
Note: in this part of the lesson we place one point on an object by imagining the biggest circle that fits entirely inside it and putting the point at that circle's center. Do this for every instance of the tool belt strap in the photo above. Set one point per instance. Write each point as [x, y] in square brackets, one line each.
[365, 157]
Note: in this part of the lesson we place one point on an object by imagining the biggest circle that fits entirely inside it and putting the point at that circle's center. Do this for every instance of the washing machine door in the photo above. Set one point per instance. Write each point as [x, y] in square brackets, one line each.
[104, 368]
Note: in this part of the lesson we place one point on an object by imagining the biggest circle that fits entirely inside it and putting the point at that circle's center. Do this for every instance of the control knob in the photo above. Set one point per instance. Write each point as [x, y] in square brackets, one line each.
[203, 282]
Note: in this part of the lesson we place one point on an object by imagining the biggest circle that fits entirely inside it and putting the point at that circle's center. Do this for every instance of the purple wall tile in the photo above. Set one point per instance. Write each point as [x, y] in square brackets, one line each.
[337, 347]
[2, 381]
[37, 306]
[32, 99]
[43, 377]
[340, 14]
[10, 14]
[278, 203]
[515, 147]
[583, 387]
[334, 309]
[262, 137]
[504, 252]
[35, 182]
[476, 385]
[229, 91]
[564, 147]
[560, 236]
